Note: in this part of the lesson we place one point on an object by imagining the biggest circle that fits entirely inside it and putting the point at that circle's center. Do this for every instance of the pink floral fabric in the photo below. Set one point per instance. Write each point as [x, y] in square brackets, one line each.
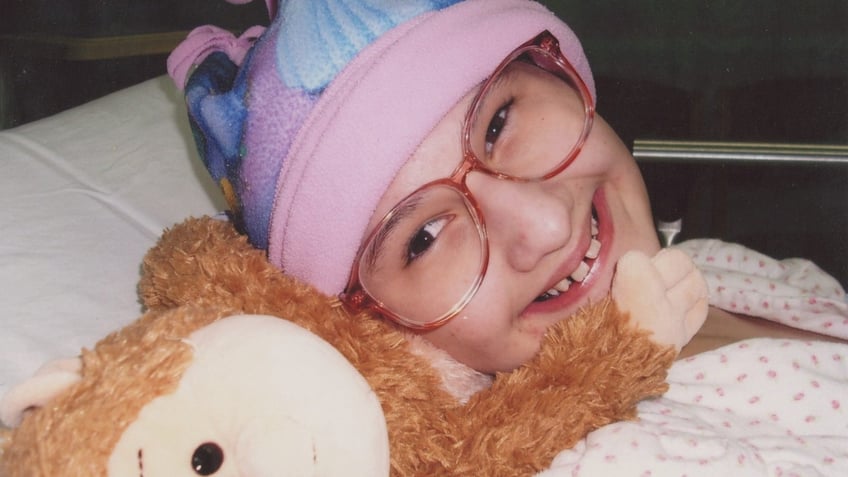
[761, 407]
[794, 291]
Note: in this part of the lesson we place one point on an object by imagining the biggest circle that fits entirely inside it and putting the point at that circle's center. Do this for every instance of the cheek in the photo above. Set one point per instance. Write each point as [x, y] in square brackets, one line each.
[487, 338]
[604, 154]
[478, 329]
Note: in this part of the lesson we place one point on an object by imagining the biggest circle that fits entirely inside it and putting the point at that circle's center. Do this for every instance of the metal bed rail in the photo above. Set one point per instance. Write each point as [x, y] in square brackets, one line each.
[656, 150]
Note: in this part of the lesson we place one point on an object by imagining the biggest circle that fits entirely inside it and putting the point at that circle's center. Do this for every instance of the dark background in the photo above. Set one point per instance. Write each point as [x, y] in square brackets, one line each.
[754, 70]
[725, 70]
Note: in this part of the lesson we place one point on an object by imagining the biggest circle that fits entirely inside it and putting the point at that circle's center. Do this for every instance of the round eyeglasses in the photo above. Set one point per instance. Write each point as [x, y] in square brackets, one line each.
[427, 257]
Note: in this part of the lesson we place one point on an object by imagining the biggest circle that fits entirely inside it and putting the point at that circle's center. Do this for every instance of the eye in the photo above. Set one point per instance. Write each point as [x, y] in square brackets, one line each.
[207, 459]
[496, 125]
[424, 238]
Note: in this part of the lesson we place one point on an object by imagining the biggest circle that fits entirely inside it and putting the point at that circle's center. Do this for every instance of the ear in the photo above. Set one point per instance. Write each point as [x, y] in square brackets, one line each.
[48, 382]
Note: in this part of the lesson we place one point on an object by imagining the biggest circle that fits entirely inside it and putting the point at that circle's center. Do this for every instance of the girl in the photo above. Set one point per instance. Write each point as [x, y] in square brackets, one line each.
[438, 161]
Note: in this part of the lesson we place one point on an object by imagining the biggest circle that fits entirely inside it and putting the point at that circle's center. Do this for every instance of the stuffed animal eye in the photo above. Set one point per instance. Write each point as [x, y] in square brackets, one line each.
[207, 459]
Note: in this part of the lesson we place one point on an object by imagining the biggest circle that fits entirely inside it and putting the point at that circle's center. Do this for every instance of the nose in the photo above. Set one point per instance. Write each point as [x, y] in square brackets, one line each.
[525, 221]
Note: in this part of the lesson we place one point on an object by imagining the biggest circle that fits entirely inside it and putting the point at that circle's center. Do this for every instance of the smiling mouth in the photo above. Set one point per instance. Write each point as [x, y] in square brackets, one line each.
[583, 268]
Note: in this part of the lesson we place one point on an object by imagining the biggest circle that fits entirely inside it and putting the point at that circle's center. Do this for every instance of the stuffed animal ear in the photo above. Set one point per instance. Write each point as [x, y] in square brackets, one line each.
[48, 382]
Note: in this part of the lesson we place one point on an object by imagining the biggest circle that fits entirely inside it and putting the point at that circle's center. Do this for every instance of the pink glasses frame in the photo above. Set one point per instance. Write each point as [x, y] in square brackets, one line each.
[545, 52]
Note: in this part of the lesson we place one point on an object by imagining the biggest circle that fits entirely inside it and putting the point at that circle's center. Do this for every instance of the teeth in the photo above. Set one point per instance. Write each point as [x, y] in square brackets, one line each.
[580, 273]
[594, 249]
[563, 285]
[582, 270]
[559, 288]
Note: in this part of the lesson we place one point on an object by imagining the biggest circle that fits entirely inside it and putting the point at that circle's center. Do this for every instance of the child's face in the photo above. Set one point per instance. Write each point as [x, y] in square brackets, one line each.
[539, 234]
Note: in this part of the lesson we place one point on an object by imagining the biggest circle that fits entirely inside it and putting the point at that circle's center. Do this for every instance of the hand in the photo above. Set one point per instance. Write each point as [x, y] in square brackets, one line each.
[664, 294]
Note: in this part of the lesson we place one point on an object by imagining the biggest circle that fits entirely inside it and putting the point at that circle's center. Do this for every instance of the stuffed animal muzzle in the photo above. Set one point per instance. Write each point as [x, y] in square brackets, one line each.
[257, 396]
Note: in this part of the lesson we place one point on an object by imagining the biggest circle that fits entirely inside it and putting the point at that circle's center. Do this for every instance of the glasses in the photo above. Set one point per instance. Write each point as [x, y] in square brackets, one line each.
[425, 260]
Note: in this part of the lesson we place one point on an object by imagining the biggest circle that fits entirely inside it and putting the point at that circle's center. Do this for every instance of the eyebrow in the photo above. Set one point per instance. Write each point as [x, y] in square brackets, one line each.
[404, 210]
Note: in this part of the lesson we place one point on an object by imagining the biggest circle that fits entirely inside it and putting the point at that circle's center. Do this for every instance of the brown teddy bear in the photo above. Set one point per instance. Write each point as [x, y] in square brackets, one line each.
[592, 370]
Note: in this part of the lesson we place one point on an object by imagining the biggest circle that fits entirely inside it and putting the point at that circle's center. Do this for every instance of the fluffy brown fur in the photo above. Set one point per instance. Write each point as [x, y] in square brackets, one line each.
[592, 370]
[75, 435]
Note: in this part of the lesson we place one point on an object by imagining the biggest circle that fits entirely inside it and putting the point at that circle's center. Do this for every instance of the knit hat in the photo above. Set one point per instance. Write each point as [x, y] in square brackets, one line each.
[305, 124]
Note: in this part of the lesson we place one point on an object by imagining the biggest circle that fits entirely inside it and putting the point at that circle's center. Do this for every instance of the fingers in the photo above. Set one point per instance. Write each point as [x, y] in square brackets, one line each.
[637, 282]
[665, 294]
[690, 288]
[695, 317]
[685, 285]
[673, 266]
[682, 280]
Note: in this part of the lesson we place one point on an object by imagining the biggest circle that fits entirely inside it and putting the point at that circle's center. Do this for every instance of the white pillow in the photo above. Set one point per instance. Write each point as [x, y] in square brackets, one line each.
[85, 194]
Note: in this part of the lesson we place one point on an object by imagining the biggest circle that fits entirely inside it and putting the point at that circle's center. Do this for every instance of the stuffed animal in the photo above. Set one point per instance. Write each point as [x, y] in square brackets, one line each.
[592, 370]
[197, 391]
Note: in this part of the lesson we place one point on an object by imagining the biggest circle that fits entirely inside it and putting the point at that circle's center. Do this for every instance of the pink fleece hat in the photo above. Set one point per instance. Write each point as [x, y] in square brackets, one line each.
[350, 139]
[372, 117]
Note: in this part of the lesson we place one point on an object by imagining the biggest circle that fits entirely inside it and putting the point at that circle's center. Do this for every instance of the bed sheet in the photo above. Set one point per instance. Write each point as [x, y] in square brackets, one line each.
[85, 193]
[761, 407]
